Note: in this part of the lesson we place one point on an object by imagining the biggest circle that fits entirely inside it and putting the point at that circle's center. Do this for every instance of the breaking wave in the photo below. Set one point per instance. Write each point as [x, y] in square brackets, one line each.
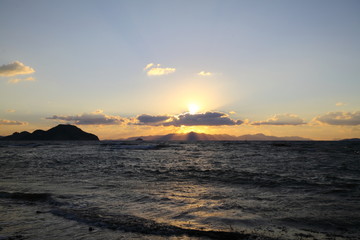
[121, 222]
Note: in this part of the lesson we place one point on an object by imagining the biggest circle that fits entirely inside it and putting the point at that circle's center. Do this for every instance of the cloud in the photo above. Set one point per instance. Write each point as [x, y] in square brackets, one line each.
[340, 118]
[16, 80]
[281, 119]
[205, 119]
[156, 70]
[187, 119]
[148, 119]
[98, 111]
[339, 104]
[10, 110]
[160, 71]
[205, 74]
[11, 122]
[96, 118]
[15, 68]
[149, 66]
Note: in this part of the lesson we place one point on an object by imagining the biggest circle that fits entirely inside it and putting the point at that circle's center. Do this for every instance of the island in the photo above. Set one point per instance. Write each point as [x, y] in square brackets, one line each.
[62, 132]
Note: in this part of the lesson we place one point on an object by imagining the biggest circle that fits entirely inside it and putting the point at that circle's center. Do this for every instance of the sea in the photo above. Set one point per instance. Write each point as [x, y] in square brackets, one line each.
[180, 190]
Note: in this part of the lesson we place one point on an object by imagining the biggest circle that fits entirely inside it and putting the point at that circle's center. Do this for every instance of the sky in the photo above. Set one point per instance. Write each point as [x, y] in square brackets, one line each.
[131, 68]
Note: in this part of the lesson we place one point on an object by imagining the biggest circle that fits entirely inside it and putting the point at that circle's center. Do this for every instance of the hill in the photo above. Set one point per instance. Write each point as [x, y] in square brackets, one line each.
[351, 140]
[62, 132]
[193, 136]
[262, 137]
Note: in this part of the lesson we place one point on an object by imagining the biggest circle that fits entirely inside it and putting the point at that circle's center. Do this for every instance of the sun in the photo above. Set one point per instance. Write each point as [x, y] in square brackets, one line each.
[193, 108]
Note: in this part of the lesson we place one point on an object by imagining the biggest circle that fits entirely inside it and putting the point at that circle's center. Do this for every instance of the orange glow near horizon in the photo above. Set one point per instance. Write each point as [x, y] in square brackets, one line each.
[187, 129]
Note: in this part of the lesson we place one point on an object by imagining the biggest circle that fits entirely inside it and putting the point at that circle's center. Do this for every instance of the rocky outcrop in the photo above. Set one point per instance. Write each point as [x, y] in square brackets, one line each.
[62, 132]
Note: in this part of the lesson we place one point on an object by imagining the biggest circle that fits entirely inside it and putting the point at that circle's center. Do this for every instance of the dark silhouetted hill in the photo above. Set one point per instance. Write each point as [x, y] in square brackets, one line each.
[193, 136]
[62, 132]
[351, 140]
[262, 137]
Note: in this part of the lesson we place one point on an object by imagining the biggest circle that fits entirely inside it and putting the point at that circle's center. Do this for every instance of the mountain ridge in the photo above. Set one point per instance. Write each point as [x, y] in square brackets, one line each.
[194, 136]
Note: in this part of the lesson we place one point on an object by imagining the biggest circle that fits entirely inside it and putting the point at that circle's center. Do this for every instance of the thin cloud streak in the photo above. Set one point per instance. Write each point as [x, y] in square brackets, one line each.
[148, 66]
[17, 80]
[205, 74]
[11, 122]
[281, 119]
[339, 104]
[90, 119]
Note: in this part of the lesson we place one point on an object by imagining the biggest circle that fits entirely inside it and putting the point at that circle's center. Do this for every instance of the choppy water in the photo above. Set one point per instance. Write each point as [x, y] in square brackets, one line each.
[205, 190]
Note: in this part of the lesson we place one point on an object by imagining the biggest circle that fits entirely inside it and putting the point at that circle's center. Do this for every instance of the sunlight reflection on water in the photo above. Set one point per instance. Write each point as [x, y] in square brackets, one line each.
[204, 186]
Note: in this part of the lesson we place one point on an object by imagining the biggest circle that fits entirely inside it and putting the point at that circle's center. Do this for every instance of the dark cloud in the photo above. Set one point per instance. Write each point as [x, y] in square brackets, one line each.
[187, 119]
[90, 119]
[281, 119]
[11, 122]
[206, 119]
[340, 118]
[15, 68]
[148, 119]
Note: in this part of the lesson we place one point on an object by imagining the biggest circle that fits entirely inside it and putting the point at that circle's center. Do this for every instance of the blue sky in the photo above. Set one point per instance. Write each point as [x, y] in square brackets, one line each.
[293, 66]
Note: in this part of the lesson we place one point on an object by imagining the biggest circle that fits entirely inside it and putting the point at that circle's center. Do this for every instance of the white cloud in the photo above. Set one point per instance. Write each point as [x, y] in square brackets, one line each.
[15, 68]
[17, 80]
[160, 71]
[340, 118]
[11, 122]
[156, 70]
[148, 66]
[339, 104]
[281, 119]
[205, 74]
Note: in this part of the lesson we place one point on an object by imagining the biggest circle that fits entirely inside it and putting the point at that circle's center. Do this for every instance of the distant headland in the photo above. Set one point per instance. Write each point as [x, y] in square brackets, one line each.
[62, 132]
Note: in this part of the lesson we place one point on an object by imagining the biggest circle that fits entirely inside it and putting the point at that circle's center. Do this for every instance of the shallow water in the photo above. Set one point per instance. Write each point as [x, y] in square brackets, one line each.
[205, 190]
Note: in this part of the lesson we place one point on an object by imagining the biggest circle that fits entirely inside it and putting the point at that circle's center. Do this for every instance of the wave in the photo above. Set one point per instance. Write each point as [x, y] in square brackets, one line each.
[234, 177]
[348, 224]
[133, 146]
[130, 223]
[122, 222]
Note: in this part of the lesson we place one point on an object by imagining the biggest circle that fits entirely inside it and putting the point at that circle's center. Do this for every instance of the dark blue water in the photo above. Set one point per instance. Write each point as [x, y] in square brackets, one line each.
[204, 190]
